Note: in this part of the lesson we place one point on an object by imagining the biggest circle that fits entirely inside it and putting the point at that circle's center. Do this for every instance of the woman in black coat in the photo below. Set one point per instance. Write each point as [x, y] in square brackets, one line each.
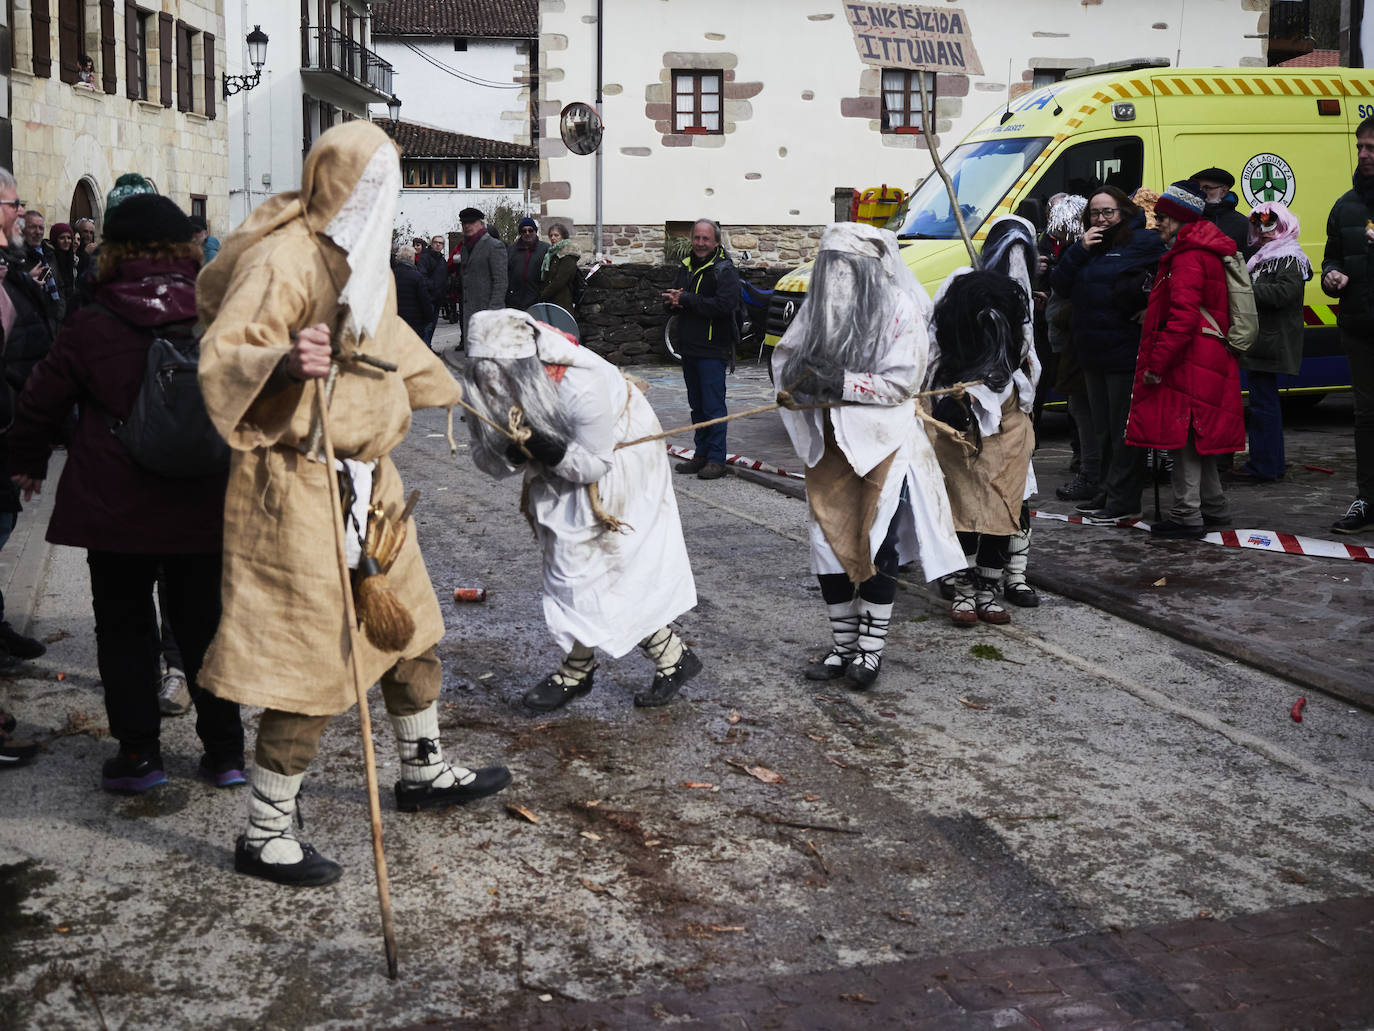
[1102, 275]
[413, 301]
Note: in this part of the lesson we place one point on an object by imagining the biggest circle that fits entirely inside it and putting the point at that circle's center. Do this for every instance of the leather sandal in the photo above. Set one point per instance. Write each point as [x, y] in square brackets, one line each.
[833, 666]
[552, 693]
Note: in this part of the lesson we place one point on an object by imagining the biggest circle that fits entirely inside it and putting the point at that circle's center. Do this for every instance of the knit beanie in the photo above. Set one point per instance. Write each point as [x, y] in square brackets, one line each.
[128, 185]
[1182, 200]
[147, 218]
[527, 221]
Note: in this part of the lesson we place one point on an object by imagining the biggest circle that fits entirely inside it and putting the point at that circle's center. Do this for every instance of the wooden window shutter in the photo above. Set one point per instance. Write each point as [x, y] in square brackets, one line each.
[108, 79]
[183, 68]
[41, 21]
[68, 39]
[210, 84]
[131, 56]
[164, 57]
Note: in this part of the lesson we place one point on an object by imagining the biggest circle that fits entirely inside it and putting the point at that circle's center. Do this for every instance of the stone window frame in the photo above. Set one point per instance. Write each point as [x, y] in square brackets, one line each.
[695, 78]
[914, 100]
[658, 99]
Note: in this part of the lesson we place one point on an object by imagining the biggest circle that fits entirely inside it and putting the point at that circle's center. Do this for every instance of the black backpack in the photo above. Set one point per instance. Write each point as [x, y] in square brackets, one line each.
[577, 287]
[168, 431]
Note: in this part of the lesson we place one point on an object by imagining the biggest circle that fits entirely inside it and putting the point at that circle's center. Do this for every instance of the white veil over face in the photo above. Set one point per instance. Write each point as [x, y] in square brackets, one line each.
[362, 228]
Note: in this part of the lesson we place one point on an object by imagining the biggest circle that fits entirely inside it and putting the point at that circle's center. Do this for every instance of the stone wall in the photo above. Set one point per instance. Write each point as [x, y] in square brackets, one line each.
[750, 246]
[622, 315]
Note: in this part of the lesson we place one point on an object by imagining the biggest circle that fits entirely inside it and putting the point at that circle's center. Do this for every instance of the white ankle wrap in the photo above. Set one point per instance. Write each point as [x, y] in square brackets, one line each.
[271, 804]
[422, 761]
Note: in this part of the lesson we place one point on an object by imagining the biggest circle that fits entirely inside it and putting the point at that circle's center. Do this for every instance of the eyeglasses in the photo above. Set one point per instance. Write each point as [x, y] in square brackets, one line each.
[17, 205]
[1097, 213]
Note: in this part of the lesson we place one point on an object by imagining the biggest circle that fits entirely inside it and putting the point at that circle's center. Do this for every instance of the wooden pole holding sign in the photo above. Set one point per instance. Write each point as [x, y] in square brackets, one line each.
[922, 39]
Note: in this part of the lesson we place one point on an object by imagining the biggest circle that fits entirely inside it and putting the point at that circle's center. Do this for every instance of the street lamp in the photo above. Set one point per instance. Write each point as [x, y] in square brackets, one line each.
[393, 108]
[257, 57]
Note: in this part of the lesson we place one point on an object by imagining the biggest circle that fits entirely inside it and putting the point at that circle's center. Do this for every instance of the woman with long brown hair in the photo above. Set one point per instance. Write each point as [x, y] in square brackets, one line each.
[1106, 276]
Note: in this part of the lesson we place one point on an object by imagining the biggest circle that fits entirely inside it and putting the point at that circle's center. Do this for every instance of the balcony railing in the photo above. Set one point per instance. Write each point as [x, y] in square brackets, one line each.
[331, 51]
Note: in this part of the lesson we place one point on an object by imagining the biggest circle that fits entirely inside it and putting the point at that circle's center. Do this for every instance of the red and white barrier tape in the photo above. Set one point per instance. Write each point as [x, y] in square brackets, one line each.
[1254, 540]
[739, 460]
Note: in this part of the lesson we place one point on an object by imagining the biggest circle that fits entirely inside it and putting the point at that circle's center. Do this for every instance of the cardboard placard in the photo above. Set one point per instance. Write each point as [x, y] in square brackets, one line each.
[927, 39]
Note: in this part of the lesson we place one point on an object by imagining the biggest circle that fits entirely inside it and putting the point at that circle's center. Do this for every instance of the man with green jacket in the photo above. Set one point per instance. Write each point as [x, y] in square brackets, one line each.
[1346, 275]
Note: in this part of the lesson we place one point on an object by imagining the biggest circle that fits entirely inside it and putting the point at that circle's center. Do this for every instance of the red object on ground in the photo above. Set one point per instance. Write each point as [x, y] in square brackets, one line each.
[469, 594]
[1321, 469]
[1297, 710]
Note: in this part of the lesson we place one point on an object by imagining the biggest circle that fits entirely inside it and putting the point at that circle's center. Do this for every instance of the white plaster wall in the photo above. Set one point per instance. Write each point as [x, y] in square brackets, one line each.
[437, 98]
[433, 212]
[270, 113]
[802, 149]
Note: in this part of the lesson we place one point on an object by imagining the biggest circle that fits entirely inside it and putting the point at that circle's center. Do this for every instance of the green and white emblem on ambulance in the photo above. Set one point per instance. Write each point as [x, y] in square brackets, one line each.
[1267, 177]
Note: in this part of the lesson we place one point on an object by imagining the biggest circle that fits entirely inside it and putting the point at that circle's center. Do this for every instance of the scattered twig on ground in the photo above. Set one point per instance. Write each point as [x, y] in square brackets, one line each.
[803, 825]
[81, 982]
[819, 858]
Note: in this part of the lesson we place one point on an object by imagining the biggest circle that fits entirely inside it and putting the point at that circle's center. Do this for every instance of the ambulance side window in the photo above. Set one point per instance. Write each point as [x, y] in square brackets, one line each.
[1119, 161]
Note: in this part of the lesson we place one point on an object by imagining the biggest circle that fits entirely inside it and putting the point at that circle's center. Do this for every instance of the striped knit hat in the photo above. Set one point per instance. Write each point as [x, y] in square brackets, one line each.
[1183, 200]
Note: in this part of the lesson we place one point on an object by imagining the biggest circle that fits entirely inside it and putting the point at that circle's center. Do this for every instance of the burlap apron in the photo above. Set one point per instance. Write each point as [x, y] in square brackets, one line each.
[844, 504]
[986, 488]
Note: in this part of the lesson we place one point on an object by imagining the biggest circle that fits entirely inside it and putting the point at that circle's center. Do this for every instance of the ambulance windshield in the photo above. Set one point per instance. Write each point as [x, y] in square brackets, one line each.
[982, 174]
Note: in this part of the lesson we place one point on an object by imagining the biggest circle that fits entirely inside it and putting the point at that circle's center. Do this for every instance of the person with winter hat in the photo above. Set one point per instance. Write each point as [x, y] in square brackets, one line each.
[130, 184]
[1220, 209]
[525, 266]
[1186, 398]
[1278, 271]
[133, 522]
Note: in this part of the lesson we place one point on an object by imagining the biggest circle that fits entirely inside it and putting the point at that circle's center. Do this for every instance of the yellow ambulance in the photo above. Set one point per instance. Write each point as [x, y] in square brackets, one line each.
[1285, 134]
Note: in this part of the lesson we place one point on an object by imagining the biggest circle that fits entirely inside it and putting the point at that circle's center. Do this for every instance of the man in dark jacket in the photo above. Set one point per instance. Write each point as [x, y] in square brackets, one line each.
[705, 294]
[429, 259]
[1215, 184]
[483, 266]
[412, 295]
[524, 265]
[27, 337]
[1346, 275]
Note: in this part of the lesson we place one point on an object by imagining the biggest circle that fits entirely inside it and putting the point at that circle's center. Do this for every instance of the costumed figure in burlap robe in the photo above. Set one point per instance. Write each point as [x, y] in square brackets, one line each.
[982, 330]
[306, 271]
[615, 565]
[876, 498]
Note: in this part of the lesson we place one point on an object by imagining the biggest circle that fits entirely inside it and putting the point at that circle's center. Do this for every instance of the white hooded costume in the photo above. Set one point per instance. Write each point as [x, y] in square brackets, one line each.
[602, 589]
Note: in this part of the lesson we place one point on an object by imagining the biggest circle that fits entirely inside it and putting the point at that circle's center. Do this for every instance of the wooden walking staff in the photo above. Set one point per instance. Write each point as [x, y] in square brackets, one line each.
[926, 115]
[374, 804]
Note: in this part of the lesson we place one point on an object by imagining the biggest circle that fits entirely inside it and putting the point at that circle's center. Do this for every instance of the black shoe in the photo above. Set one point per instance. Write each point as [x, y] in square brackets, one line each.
[861, 673]
[550, 694]
[1104, 517]
[412, 796]
[1357, 519]
[18, 645]
[665, 685]
[313, 870]
[1095, 502]
[1216, 522]
[1080, 488]
[711, 471]
[691, 465]
[222, 773]
[827, 670]
[1171, 531]
[132, 773]
[1022, 594]
[16, 753]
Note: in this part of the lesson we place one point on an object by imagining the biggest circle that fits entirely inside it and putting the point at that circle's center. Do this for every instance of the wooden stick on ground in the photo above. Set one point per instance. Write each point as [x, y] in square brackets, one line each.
[374, 804]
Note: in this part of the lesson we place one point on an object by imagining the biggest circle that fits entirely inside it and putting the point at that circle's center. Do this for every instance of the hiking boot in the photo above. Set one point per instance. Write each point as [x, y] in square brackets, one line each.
[1080, 488]
[174, 696]
[311, 871]
[665, 686]
[18, 645]
[412, 796]
[711, 471]
[222, 773]
[691, 465]
[1358, 518]
[132, 773]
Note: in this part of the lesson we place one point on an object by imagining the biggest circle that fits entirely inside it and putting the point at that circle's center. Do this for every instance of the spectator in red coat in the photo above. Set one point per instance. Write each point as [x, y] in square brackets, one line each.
[1186, 398]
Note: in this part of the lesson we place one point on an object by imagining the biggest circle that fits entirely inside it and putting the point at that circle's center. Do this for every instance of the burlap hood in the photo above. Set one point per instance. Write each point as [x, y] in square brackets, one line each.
[332, 171]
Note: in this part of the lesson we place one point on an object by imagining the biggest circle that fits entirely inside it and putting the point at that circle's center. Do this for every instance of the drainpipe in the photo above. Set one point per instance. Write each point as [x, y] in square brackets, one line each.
[600, 11]
[247, 132]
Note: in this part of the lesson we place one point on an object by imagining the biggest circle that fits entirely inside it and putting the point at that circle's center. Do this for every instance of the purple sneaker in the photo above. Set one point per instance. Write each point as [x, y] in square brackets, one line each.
[225, 773]
[132, 773]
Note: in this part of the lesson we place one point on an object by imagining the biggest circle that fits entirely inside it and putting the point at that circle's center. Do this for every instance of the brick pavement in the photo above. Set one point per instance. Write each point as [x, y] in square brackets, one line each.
[1301, 968]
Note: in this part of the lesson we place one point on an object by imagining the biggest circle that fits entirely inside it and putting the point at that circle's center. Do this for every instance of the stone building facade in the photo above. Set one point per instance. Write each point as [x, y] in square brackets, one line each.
[754, 114]
[152, 106]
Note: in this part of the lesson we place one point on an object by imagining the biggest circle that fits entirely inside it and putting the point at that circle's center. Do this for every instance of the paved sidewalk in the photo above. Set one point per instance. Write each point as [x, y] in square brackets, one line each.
[1303, 618]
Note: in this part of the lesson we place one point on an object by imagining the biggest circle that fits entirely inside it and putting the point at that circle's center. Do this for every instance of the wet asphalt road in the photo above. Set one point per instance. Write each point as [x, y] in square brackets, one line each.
[1072, 772]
